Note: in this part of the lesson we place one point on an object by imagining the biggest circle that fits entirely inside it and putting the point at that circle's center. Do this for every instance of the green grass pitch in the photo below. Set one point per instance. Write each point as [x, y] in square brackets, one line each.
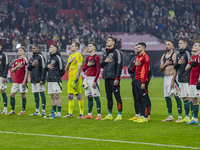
[34, 132]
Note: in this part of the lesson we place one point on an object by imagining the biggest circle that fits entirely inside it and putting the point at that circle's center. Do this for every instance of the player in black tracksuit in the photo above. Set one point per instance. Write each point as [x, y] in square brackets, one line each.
[182, 59]
[55, 69]
[133, 85]
[36, 67]
[3, 75]
[112, 62]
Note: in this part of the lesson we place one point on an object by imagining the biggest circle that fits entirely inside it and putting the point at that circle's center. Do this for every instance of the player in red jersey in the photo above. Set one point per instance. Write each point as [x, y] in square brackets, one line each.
[91, 82]
[20, 81]
[194, 67]
[141, 69]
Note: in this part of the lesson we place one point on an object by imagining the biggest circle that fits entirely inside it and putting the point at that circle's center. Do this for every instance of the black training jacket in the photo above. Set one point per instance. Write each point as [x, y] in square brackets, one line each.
[55, 74]
[130, 66]
[37, 72]
[3, 64]
[114, 69]
[183, 76]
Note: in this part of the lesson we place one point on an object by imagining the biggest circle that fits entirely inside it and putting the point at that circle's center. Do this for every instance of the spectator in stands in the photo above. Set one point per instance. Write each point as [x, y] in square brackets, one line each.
[160, 26]
[14, 43]
[172, 14]
[132, 27]
[22, 3]
[10, 7]
[37, 3]
[73, 4]
[64, 4]
[29, 3]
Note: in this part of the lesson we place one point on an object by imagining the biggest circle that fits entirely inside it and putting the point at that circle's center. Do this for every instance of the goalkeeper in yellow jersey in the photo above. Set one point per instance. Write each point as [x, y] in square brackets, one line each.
[74, 66]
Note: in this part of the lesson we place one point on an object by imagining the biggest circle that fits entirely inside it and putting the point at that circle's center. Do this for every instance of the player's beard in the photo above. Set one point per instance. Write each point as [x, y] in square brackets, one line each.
[167, 49]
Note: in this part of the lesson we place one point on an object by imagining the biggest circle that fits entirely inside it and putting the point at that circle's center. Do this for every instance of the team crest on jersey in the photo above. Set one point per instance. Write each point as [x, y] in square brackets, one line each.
[53, 62]
[0, 56]
[111, 55]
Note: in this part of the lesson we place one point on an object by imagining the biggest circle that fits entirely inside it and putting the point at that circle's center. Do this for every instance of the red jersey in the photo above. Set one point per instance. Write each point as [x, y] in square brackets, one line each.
[92, 70]
[194, 72]
[20, 72]
[141, 72]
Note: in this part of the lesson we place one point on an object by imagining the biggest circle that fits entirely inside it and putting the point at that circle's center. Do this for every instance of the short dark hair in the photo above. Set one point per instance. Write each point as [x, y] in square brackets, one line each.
[94, 44]
[114, 39]
[170, 41]
[56, 46]
[76, 44]
[184, 40]
[142, 44]
[36, 46]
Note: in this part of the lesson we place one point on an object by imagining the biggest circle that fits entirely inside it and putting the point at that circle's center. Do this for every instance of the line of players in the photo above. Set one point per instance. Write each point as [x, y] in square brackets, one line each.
[187, 87]
[54, 69]
[171, 64]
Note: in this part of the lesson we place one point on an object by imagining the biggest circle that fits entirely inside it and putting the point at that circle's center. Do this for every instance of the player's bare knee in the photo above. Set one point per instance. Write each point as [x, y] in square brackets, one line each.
[57, 96]
[70, 97]
[195, 101]
[79, 97]
[12, 95]
[52, 96]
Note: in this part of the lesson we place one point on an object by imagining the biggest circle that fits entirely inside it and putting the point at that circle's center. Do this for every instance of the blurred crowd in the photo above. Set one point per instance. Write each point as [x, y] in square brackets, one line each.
[165, 19]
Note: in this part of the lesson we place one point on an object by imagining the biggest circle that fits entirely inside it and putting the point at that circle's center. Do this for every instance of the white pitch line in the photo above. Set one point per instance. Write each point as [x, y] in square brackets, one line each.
[152, 98]
[101, 140]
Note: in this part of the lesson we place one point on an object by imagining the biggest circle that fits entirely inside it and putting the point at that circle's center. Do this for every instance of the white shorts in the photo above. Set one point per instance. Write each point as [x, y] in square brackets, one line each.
[194, 93]
[166, 86]
[37, 88]
[17, 88]
[54, 87]
[89, 90]
[184, 90]
[3, 86]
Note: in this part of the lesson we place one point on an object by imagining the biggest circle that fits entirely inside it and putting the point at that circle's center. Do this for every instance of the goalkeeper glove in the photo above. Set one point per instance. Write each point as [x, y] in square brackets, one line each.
[74, 85]
[198, 85]
[194, 64]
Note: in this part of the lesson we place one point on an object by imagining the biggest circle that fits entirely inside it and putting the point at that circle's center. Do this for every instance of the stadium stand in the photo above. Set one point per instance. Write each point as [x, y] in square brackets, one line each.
[61, 21]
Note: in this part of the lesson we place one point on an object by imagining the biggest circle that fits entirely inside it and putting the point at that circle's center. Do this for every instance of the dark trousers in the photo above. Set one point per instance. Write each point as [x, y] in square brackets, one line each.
[135, 98]
[143, 99]
[110, 88]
